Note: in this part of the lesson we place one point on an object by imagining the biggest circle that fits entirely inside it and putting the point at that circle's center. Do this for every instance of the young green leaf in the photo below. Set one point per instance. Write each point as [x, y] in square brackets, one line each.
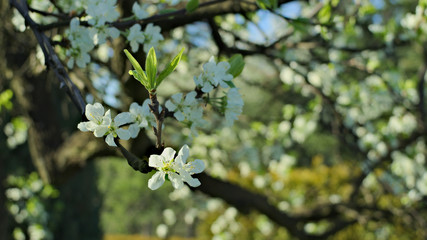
[230, 84]
[151, 67]
[140, 76]
[192, 5]
[169, 68]
[236, 65]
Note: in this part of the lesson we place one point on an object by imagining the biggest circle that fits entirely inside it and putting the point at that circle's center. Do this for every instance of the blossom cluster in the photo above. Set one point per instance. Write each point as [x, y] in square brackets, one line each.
[177, 169]
[101, 123]
[187, 109]
[213, 75]
[81, 43]
[150, 37]
[98, 15]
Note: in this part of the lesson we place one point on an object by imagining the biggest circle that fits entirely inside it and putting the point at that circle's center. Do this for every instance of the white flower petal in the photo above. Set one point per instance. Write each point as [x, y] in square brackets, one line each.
[106, 120]
[183, 154]
[134, 130]
[82, 126]
[156, 180]
[194, 182]
[110, 140]
[170, 105]
[155, 161]
[91, 126]
[176, 180]
[123, 118]
[94, 112]
[143, 123]
[123, 133]
[177, 97]
[168, 154]
[113, 32]
[179, 116]
[207, 88]
[196, 166]
[100, 131]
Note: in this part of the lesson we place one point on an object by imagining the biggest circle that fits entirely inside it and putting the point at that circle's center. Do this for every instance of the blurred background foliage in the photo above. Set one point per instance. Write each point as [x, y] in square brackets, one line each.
[332, 90]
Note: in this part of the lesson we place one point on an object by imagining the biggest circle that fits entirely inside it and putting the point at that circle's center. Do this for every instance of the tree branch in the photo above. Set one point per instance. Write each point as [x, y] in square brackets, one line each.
[51, 58]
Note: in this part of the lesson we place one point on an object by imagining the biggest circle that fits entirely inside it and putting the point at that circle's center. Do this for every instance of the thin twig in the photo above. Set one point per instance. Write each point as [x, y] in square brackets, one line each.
[160, 117]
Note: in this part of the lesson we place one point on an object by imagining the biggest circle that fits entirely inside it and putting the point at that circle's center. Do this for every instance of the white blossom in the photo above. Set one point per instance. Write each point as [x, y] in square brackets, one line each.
[98, 121]
[182, 107]
[234, 106]
[152, 36]
[81, 39]
[140, 11]
[101, 11]
[213, 75]
[177, 169]
[104, 32]
[101, 124]
[187, 109]
[141, 117]
[114, 129]
[135, 37]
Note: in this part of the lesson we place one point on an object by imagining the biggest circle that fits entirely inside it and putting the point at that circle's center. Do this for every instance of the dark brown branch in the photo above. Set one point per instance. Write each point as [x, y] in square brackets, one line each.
[63, 16]
[171, 20]
[51, 58]
[133, 161]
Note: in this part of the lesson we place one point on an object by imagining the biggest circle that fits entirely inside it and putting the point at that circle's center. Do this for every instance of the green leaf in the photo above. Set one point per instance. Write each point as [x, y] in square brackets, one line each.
[268, 4]
[325, 14]
[169, 68]
[151, 67]
[140, 76]
[262, 4]
[230, 84]
[6, 99]
[335, 3]
[236, 65]
[192, 5]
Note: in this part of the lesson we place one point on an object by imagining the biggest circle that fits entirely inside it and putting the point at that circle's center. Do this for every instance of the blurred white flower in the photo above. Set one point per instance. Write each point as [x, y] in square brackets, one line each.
[104, 32]
[81, 39]
[213, 75]
[162, 230]
[187, 109]
[140, 11]
[13, 194]
[141, 117]
[169, 216]
[152, 36]
[101, 11]
[135, 37]
[182, 107]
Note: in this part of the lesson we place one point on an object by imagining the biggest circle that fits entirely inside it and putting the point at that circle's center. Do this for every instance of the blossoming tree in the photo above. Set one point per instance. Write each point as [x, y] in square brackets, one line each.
[332, 139]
